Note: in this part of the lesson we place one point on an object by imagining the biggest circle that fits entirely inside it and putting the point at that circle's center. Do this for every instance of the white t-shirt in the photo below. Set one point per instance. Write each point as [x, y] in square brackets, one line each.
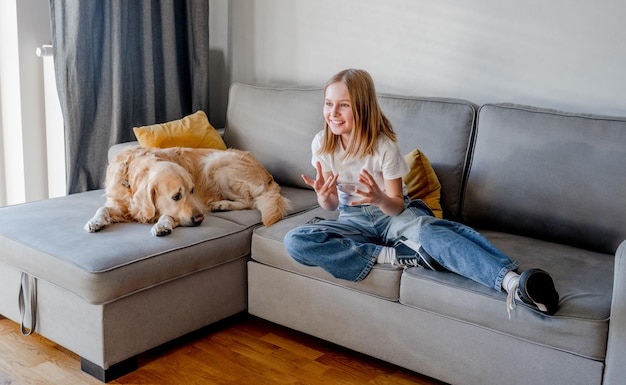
[387, 162]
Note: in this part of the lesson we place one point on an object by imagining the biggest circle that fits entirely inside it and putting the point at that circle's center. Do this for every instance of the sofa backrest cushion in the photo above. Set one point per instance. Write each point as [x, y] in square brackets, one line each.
[441, 129]
[549, 174]
[277, 126]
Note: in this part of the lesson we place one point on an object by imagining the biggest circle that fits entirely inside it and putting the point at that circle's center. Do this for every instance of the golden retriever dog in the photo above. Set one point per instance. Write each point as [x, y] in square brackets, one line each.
[177, 186]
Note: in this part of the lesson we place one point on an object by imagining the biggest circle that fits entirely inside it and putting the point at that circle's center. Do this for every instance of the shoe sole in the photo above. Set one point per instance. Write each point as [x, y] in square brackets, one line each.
[536, 288]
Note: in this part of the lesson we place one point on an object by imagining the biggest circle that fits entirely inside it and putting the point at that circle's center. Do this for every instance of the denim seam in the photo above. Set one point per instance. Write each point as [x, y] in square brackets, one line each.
[370, 264]
[510, 267]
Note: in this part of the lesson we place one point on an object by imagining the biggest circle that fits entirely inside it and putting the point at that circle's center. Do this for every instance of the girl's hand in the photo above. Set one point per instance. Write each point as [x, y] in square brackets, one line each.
[321, 185]
[325, 186]
[391, 201]
[374, 195]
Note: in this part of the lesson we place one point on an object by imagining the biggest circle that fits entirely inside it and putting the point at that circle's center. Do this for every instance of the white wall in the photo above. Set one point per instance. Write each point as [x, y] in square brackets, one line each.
[563, 54]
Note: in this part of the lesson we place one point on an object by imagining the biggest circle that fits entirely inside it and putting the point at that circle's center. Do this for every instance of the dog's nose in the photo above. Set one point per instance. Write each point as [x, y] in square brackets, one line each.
[197, 219]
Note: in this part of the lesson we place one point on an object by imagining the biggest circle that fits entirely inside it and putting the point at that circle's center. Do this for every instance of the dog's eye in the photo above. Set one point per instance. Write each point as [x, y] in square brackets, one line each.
[177, 197]
[191, 192]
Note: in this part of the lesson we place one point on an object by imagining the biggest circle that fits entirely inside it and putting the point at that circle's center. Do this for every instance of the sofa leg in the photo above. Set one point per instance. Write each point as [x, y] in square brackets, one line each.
[113, 372]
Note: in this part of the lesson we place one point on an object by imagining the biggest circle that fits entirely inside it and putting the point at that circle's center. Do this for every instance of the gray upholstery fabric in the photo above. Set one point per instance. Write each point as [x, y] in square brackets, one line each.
[441, 129]
[579, 327]
[123, 257]
[277, 126]
[106, 334]
[616, 347]
[427, 342]
[268, 248]
[47, 239]
[549, 175]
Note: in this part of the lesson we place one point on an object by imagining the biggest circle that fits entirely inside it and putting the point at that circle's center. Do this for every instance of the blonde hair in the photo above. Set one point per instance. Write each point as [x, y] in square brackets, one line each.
[369, 120]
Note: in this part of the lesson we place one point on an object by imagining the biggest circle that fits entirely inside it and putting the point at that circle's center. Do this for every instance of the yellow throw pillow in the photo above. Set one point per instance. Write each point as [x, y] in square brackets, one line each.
[191, 131]
[422, 182]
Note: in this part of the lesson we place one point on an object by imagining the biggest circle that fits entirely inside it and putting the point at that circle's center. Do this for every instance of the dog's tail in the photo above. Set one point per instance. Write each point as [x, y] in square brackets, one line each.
[272, 204]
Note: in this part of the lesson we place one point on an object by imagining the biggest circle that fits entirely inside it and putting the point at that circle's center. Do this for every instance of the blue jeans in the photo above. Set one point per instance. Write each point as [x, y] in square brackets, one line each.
[348, 247]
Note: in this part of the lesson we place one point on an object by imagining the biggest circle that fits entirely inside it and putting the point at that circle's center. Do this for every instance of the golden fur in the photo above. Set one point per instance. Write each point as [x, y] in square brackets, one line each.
[176, 186]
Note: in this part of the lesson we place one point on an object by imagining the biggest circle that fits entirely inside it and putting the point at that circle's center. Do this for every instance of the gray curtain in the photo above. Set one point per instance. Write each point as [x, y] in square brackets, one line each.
[121, 64]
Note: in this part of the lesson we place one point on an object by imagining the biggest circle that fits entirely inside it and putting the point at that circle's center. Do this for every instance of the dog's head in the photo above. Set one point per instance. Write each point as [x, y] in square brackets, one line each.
[167, 189]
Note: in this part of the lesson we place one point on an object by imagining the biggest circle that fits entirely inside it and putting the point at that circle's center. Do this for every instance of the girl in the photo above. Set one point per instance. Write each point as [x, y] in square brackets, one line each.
[359, 171]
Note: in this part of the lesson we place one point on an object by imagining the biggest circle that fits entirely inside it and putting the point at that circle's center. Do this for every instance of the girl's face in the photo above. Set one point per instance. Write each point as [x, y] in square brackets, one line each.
[338, 111]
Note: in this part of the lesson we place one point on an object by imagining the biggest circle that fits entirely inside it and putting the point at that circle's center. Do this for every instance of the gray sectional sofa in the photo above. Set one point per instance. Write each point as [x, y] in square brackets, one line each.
[547, 187]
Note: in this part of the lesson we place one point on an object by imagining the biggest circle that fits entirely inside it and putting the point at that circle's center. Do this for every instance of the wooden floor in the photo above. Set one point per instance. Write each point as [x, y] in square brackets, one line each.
[243, 350]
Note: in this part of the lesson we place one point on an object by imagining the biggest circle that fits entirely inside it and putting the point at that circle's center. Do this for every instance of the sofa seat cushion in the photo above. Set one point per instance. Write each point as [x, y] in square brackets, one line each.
[268, 248]
[584, 283]
[46, 239]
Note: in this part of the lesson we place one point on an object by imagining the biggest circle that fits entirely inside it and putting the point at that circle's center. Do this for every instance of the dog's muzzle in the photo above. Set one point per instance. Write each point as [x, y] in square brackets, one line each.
[197, 219]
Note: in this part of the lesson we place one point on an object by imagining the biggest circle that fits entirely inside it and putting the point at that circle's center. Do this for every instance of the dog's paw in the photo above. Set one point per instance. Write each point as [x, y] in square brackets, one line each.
[218, 206]
[94, 226]
[161, 229]
[99, 221]
[164, 226]
[227, 205]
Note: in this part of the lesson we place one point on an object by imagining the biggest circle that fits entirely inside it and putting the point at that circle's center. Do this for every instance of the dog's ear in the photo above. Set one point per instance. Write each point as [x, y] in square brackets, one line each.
[143, 202]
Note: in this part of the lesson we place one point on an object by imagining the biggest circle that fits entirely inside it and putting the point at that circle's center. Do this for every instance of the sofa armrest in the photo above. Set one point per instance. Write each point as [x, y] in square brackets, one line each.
[616, 345]
[116, 148]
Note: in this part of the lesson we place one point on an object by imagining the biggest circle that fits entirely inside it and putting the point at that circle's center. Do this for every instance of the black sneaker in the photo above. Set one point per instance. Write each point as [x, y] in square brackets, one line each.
[536, 288]
[411, 254]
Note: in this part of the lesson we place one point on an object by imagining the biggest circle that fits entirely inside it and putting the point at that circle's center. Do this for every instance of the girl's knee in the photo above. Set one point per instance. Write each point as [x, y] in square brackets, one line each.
[291, 239]
[298, 238]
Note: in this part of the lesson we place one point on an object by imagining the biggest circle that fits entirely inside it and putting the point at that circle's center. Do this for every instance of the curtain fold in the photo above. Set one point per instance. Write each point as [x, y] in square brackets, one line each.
[121, 64]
